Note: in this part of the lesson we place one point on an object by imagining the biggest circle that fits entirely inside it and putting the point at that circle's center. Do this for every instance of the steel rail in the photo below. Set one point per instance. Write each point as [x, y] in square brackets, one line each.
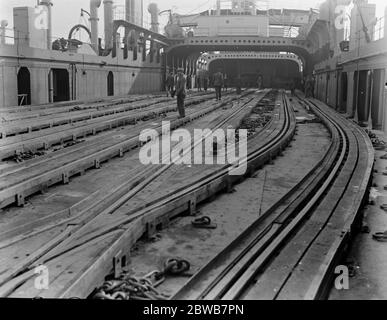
[104, 138]
[24, 185]
[74, 134]
[65, 105]
[190, 290]
[71, 231]
[111, 106]
[11, 129]
[8, 237]
[238, 287]
[229, 274]
[21, 113]
[137, 222]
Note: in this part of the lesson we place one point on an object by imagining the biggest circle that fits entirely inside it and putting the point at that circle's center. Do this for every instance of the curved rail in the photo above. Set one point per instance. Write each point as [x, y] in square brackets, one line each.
[289, 253]
[93, 210]
[18, 183]
[129, 228]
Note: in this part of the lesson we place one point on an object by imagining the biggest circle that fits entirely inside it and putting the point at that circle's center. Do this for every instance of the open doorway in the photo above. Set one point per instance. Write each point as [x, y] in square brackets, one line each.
[110, 84]
[363, 97]
[61, 85]
[24, 87]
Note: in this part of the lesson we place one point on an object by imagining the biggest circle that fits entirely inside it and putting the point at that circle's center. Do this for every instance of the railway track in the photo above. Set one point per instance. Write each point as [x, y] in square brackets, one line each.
[42, 134]
[22, 180]
[26, 123]
[118, 232]
[292, 250]
[30, 112]
[102, 195]
[288, 253]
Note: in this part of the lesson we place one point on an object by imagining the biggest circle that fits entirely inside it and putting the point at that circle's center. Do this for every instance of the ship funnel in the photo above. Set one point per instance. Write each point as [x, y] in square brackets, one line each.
[48, 4]
[154, 12]
[134, 11]
[108, 13]
[94, 5]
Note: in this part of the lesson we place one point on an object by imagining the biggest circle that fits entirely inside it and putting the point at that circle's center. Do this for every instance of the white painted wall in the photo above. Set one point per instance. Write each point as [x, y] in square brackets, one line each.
[129, 76]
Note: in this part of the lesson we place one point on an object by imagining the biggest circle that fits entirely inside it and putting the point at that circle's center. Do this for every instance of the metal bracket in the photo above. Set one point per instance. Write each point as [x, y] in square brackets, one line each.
[192, 206]
[117, 264]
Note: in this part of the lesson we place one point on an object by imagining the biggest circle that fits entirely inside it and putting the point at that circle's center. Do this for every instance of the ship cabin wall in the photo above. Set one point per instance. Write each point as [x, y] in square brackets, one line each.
[355, 83]
[83, 76]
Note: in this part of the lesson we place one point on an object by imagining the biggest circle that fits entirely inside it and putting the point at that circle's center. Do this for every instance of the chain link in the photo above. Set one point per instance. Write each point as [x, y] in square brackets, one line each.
[128, 287]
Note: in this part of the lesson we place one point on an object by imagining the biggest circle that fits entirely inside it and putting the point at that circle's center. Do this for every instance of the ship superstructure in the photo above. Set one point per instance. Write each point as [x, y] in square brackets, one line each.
[37, 69]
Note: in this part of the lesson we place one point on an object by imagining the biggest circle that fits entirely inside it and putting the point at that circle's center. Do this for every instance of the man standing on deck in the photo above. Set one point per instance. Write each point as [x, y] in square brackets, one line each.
[225, 82]
[181, 83]
[293, 87]
[199, 80]
[218, 84]
[206, 80]
[170, 83]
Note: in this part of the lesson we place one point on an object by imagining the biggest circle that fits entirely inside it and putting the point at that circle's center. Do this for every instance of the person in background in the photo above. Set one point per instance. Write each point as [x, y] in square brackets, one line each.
[238, 85]
[181, 84]
[293, 87]
[309, 87]
[170, 83]
[199, 81]
[312, 86]
[225, 82]
[218, 84]
[260, 82]
[188, 80]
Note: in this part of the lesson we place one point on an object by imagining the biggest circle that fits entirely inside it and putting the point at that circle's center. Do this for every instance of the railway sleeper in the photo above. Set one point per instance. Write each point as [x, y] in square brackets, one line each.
[188, 203]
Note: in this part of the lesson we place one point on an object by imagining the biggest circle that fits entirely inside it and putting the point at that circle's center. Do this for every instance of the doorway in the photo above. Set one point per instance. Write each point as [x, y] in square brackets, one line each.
[61, 85]
[344, 92]
[24, 87]
[110, 84]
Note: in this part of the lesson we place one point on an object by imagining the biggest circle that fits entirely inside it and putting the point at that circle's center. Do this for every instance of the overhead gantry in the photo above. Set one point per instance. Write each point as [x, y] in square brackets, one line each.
[209, 58]
[181, 49]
